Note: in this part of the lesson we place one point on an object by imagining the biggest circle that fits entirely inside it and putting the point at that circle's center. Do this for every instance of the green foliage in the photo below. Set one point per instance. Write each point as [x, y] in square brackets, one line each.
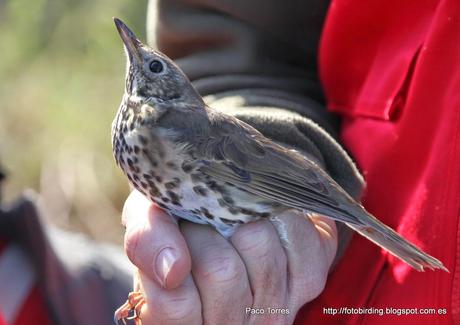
[61, 81]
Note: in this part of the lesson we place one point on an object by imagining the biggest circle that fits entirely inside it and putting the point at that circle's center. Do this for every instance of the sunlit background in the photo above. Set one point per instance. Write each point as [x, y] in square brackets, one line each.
[61, 81]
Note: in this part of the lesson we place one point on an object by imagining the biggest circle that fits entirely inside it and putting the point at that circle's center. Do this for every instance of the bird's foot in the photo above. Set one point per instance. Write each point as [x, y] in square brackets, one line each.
[131, 309]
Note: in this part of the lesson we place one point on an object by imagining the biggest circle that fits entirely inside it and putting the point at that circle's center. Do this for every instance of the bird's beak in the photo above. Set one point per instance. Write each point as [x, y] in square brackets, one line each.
[132, 44]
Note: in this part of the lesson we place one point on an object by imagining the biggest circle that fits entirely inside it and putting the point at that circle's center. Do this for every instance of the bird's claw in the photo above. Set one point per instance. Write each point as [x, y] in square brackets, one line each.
[132, 305]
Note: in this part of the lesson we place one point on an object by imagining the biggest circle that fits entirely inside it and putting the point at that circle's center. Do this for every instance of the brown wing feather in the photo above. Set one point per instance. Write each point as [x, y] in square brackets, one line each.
[238, 154]
[232, 151]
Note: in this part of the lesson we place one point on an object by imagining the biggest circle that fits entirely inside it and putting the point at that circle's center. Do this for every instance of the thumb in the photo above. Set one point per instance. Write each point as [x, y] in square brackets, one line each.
[154, 243]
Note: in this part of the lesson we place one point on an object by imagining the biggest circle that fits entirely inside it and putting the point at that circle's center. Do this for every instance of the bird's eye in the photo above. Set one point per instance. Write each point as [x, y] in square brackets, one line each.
[156, 66]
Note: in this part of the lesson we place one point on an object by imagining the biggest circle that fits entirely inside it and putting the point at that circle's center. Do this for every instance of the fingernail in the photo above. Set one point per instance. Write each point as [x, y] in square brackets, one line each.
[163, 264]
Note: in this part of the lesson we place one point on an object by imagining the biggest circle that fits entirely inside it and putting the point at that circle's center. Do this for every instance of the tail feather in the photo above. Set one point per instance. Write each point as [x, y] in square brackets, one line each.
[390, 240]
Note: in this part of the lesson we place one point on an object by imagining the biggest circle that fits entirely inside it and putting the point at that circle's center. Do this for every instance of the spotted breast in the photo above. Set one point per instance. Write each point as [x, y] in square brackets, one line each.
[163, 170]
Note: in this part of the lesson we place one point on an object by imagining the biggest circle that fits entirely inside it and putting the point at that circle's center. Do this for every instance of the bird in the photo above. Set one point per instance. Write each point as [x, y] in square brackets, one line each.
[211, 168]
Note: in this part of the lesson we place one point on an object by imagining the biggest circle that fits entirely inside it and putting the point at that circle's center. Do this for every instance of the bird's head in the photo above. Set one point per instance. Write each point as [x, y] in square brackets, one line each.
[151, 76]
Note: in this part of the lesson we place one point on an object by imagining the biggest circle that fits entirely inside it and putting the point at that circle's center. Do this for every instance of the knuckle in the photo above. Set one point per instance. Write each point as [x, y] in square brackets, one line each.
[177, 308]
[131, 243]
[222, 268]
[315, 284]
[254, 241]
[131, 207]
[315, 290]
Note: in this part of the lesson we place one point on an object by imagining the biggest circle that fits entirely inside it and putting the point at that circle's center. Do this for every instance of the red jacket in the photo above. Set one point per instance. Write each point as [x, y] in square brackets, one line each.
[391, 68]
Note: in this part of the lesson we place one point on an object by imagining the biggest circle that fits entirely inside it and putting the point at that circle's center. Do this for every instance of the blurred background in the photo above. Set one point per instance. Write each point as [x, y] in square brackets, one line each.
[61, 81]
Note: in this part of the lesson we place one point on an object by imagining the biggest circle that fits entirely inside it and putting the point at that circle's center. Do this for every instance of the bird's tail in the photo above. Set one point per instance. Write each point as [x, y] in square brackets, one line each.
[390, 240]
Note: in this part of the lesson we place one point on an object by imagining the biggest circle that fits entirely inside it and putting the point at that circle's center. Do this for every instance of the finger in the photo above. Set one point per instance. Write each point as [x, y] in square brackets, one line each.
[154, 243]
[310, 249]
[219, 275]
[180, 305]
[260, 249]
[328, 233]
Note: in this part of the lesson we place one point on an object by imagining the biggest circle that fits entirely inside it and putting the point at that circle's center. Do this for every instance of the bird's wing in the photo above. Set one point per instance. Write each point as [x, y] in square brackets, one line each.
[236, 153]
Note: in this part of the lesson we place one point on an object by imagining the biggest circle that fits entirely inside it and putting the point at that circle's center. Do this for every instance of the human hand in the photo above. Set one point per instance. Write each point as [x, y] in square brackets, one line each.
[190, 274]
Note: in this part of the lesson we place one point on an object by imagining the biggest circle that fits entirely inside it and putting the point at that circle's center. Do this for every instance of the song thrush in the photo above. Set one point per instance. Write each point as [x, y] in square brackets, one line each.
[211, 168]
